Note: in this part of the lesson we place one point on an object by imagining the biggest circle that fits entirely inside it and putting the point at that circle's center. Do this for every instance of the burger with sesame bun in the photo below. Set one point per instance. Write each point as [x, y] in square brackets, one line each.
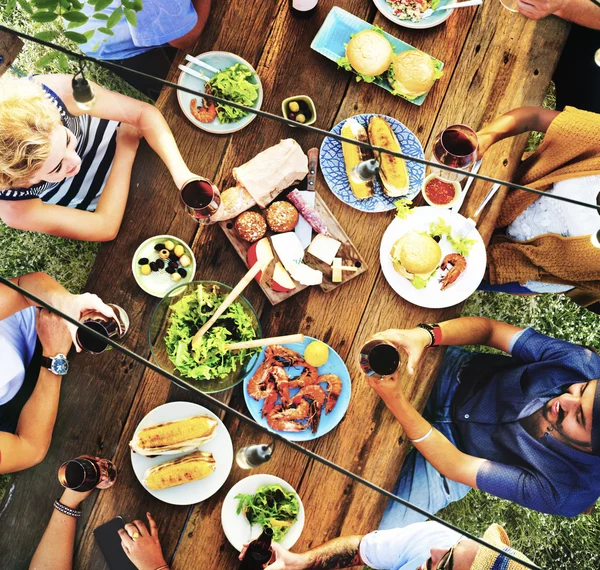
[369, 54]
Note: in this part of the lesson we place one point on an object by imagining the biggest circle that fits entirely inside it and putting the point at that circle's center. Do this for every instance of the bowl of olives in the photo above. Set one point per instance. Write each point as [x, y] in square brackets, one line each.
[162, 263]
[300, 108]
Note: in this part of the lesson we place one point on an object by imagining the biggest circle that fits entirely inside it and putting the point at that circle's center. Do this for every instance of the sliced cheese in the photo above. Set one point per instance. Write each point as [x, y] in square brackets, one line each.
[324, 248]
[338, 264]
[306, 275]
[291, 253]
[336, 274]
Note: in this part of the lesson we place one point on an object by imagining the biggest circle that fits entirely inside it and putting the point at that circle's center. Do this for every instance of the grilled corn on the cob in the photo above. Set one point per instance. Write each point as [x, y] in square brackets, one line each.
[186, 469]
[170, 438]
[353, 155]
[393, 173]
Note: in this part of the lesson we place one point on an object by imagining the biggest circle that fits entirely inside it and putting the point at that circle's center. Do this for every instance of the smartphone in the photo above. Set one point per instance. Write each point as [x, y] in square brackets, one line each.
[109, 541]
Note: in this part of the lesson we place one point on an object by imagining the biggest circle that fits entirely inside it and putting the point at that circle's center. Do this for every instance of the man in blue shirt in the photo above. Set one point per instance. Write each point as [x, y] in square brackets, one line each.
[525, 427]
[163, 27]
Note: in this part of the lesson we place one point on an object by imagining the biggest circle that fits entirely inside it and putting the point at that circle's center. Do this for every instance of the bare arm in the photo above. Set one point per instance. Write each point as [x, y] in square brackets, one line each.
[188, 41]
[55, 550]
[582, 12]
[38, 284]
[518, 121]
[144, 117]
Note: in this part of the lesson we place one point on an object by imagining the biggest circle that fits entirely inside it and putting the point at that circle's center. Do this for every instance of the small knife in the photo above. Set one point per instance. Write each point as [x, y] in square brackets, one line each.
[313, 164]
[304, 230]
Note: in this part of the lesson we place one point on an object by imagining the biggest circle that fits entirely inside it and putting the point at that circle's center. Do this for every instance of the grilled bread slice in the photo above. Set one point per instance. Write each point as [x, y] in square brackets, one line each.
[175, 437]
[393, 173]
[353, 155]
[192, 467]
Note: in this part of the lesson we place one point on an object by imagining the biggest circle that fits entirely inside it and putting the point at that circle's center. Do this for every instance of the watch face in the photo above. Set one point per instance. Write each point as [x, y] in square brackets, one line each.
[60, 365]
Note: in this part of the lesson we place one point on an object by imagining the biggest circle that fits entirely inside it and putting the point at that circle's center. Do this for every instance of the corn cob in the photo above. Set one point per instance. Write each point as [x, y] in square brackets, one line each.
[186, 469]
[170, 438]
[393, 173]
[353, 155]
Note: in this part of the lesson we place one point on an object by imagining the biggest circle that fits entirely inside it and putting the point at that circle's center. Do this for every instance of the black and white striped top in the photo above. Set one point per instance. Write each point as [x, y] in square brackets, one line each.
[96, 144]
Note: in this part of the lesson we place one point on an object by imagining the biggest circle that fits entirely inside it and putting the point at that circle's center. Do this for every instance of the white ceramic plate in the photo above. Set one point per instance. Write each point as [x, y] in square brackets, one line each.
[219, 60]
[236, 527]
[159, 283]
[220, 446]
[432, 296]
[435, 19]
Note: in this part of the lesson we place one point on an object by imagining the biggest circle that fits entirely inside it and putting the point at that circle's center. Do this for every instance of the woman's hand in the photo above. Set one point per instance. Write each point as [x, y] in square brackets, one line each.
[537, 9]
[73, 499]
[181, 176]
[284, 559]
[412, 342]
[485, 141]
[145, 551]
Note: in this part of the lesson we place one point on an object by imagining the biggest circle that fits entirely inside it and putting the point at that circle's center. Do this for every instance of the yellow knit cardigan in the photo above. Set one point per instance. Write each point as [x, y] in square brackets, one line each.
[571, 149]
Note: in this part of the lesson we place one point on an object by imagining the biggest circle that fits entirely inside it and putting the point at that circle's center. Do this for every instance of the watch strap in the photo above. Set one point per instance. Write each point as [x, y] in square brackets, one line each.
[46, 362]
[435, 332]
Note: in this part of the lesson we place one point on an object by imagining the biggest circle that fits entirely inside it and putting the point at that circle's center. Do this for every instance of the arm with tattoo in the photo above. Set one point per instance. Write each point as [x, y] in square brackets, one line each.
[341, 552]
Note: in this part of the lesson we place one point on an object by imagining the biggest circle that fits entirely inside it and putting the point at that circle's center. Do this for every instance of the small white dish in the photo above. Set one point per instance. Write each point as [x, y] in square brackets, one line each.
[452, 203]
[236, 527]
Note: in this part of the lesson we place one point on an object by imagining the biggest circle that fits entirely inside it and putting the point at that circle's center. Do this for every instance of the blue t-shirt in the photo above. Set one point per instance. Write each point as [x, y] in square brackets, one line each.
[495, 393]
[18, 337]
[405, 548]
[159, 22]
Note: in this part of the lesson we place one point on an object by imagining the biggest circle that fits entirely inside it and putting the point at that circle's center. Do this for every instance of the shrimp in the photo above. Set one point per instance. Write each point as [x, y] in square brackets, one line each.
[334, 389]
[282, 385]
[269, 403]
[313, 393]
[208, 112]
[287, 420]
[261, 384]
[308, 377]
[280, 356]
[458, 263]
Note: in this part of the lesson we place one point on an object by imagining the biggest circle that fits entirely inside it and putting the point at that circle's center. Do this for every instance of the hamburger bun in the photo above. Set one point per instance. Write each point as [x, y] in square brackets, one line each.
[369, 53]
[412, 73]
[416, 253]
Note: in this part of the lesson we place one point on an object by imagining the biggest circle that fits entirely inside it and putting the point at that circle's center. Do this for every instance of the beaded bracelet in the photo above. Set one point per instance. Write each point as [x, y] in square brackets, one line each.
[66, 510]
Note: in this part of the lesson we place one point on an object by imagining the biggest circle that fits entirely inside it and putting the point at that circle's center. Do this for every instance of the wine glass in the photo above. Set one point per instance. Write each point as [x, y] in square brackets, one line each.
[379, 358]
[200, 198]
[455, 146]
[87, 472]
[109, 327]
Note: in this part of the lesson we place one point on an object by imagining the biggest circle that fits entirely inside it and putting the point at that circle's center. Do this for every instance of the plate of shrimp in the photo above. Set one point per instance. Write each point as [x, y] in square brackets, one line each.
[287, 395]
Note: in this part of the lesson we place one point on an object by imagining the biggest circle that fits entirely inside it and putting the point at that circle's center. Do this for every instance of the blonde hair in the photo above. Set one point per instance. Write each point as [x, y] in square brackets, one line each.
[27, 121]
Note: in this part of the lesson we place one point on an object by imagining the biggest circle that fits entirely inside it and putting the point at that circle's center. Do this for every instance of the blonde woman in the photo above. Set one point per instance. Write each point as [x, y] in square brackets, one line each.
[67, 173]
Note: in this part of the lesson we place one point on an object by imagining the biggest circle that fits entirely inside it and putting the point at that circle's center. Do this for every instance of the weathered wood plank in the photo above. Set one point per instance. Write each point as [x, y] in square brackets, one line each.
[10, 47]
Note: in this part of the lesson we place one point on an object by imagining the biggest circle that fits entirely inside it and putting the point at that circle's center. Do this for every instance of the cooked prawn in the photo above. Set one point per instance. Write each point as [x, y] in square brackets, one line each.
[261, 384]
[314, 393]
[308, 377]
[287, 420]
[334, 389]
[208, 112]
[279, 355]
[458, 265]
[269, 403]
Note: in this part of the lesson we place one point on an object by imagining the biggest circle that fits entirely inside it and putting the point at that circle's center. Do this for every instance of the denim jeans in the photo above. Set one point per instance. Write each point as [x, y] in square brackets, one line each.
[419, 482]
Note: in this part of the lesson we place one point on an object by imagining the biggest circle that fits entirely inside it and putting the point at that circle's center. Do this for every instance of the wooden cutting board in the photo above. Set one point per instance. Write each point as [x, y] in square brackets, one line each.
[347, 252]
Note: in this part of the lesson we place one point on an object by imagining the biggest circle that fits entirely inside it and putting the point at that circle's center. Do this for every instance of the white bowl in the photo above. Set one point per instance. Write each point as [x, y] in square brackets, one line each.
[457, 188]
[434, 20]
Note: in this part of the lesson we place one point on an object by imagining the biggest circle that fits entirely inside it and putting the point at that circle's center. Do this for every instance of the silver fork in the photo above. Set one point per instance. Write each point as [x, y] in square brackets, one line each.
[471, 222]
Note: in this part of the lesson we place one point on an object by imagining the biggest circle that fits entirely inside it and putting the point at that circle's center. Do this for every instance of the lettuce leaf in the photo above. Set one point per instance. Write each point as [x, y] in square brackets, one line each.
[403, 208]
[345, 64]
[419, 282]
[232, 83]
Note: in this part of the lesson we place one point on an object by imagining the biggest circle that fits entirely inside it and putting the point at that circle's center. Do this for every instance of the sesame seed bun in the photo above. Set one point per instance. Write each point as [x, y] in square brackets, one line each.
[369, 53]
[412, 73]
[416, 253]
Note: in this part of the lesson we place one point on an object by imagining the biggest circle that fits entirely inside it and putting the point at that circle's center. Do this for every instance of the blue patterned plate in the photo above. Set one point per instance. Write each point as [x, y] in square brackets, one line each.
[334, 168]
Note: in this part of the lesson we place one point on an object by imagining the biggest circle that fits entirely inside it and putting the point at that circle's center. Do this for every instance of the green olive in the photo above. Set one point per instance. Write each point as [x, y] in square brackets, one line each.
[301, 118]
[294, 107]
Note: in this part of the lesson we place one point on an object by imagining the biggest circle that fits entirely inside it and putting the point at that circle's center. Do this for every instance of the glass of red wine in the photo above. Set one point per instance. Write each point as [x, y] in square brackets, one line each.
[455, 146]
[87, 472]
[109, 327]
[200, 198]
[379, 358]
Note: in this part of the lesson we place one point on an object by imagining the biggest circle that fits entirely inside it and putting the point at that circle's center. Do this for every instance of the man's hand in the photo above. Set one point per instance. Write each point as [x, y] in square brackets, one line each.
[412, 342]
[53, 333]
[284, 559]
[537, 9]
[145, 551]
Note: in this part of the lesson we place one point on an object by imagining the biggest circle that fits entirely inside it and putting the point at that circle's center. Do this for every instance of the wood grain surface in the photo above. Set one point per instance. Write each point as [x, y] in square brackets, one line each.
[494, 61]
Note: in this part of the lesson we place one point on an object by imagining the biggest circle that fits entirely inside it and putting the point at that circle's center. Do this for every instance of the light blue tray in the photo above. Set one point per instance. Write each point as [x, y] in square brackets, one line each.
[335, 33]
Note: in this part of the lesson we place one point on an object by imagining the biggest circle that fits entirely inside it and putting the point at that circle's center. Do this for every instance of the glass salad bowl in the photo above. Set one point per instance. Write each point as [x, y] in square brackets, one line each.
[177, 318]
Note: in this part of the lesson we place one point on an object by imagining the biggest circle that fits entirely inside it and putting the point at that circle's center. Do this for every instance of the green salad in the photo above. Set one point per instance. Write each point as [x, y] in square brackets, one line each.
[270, 506]
[233, 83]
[208, 360]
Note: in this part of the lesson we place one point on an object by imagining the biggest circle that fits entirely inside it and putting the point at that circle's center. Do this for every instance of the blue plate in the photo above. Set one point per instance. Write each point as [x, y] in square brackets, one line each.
[335, 33]
[219, 60]
[435, 19]
[335, 365]
[334, 168]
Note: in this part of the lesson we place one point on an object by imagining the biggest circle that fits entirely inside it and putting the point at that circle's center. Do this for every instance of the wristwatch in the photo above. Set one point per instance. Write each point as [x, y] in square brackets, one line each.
[58, 364]
[435, 332]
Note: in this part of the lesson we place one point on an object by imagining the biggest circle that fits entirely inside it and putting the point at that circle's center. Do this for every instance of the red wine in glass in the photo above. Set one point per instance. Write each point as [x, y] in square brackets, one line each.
[379, 358]
[109, 327]
[455, 146]
[200, 198]
[87, 472]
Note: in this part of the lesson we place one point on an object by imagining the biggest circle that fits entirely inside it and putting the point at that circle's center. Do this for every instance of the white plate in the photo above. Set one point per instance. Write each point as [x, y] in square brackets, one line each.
[237, 528]
[435, 19]
[220, 446]
[159, 283]
[431, 296]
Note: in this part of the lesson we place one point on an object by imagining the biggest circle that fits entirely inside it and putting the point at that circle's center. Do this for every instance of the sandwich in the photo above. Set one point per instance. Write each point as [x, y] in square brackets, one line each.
[393, 171]
[192, 467]
[369, 54]
[416, 256]
[170, 438]
[412, 74]
[354, 155]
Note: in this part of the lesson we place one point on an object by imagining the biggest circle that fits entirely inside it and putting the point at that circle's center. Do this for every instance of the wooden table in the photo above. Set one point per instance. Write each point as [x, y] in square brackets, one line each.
[494, 61]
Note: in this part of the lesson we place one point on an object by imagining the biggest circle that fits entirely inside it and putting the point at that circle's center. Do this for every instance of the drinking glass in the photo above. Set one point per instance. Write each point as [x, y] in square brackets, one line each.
[455, 146]
[87, 472]
[108, 327]
[200, 198]
[379, 358]
[510, 5]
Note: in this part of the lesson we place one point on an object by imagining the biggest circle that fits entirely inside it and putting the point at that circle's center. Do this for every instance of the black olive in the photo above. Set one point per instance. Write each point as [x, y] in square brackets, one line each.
[153, 266]
[173, 265]
[159, 246]
[437, 238]
[182, 272]
[143, 261]
[159, 263]
[173, 257]
[170, 270]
